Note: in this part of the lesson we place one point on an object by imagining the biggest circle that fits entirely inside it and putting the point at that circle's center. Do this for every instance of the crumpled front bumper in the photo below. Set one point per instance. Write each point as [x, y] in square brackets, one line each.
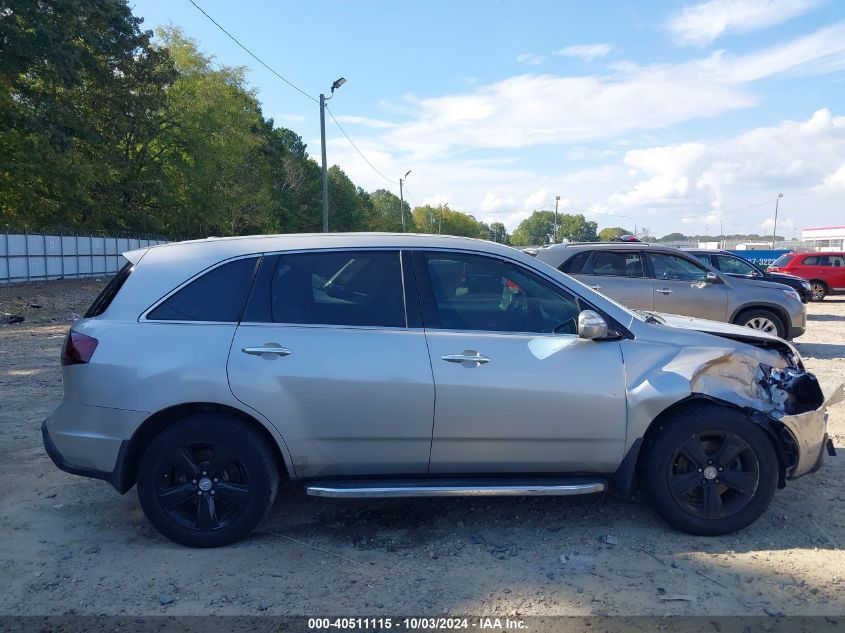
[809, 431]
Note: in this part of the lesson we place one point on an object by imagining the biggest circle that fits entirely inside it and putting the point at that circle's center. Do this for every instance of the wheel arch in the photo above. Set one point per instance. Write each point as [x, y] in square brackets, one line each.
[782, 314]
[627, 476]
[814, 280]
[131, 453]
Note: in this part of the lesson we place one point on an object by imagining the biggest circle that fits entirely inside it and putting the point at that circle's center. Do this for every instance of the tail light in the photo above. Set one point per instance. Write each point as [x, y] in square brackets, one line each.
[78, 349]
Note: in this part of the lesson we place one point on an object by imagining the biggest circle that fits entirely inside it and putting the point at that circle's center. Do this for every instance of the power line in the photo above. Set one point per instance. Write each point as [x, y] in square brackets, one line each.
[360, 153]
[253, 55]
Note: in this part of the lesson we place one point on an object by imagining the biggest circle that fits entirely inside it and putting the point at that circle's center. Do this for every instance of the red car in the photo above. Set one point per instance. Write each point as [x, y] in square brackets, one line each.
[824, 271]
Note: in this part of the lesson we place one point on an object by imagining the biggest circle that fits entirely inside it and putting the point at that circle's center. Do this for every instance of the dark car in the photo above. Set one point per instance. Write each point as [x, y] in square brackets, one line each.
[736, 266]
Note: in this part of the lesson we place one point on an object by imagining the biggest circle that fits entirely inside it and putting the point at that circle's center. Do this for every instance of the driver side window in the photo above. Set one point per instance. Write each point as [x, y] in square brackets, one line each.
[475, 292]
[673, 268]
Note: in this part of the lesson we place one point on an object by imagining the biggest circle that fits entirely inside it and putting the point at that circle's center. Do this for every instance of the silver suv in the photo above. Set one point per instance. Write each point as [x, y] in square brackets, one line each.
[658, 278]
[208, 372]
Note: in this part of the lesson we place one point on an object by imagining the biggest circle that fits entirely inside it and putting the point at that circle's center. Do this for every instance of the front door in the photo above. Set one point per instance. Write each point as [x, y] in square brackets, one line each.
[516, 389]
[681, 287]
[324, 352]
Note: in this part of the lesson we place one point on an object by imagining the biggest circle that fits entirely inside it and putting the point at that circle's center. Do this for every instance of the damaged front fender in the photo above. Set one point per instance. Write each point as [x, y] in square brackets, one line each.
[770, 384]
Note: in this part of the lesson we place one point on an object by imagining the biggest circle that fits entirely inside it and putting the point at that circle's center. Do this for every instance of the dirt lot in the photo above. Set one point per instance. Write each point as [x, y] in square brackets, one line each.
[71, 545]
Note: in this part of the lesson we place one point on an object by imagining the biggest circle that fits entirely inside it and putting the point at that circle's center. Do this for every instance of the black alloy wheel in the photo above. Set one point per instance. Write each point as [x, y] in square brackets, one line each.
[714, 475]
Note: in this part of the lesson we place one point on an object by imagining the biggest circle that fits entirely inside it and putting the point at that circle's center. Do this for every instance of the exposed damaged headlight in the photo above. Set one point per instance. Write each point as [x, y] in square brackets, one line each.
[792, 390]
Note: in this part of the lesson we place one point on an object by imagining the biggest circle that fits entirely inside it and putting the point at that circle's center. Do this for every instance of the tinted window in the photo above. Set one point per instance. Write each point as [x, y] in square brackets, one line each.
[734, 265]
[575, 264]
[218, 295]
[618, 263]
[811, 261]
[104, 299]
[702, 257]
[783, 260]
[672, 267]
[339, 288]
[473, 292]
[832, 260]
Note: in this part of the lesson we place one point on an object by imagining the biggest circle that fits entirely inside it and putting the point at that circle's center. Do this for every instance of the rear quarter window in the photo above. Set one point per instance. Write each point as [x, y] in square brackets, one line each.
[575, 264]
[810, 261]
[218, 295]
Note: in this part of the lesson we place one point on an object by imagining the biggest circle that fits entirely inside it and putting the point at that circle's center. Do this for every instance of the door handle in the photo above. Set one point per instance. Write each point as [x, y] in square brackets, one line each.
[466, 357]
[258, 351]
[665, 291]
[595, 287]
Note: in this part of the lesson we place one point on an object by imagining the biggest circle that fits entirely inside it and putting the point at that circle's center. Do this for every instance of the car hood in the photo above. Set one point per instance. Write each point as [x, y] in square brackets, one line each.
[784, 276]
[727, 330]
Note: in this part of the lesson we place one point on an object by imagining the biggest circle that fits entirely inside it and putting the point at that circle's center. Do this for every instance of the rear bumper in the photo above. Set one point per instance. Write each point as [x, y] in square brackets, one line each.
[795, 332]
[113, 477]
[90, 441]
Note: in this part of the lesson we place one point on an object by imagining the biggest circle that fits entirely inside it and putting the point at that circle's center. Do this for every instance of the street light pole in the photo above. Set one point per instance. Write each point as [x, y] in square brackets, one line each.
[775, 229]
[402, 199]
[554, 237]
[323, 98]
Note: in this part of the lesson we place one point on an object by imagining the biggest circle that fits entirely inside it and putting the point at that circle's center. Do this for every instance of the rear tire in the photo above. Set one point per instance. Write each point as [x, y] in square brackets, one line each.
[709, 470]
[818, 290]
[763, 320]
[207, 480]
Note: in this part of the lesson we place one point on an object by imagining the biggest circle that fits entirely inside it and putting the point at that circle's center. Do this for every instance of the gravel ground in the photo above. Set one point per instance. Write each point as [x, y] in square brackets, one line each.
[74, 546]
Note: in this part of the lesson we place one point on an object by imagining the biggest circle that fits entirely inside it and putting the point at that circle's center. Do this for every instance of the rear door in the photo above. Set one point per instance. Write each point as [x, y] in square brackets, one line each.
[328, 352]
[681, 287]
[834, 266]
[621, 275]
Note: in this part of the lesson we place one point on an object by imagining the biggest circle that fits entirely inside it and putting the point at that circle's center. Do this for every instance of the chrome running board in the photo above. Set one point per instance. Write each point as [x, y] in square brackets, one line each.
[452, 488]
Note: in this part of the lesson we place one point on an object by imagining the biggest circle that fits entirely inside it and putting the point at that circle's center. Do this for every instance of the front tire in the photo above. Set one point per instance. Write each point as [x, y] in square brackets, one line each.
[709, 470]
[763, 320]
[207, 480]
[818, 290]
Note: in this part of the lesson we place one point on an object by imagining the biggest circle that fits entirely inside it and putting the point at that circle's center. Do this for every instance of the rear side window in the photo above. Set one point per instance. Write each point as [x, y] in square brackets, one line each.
[218, 295]
[575, 264]
[339, 288]
[811, 261]
[104, 299]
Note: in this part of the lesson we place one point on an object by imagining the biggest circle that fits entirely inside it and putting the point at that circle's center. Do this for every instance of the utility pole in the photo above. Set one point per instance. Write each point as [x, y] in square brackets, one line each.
[775, 229]
[402, 199]
[554, 237]
[323, 98]
[721, 234]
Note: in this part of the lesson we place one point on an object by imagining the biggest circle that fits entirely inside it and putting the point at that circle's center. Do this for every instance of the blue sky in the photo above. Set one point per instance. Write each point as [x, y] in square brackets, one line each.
[669, 115]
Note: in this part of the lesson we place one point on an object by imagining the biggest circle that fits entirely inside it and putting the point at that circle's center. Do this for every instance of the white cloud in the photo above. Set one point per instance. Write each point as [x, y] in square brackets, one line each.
[834, 181]
[296, 118]
[530, 59]
[587, 52]
[494, 202]
[700, 24]
[536, 199]
[364, 121]
[534, 109]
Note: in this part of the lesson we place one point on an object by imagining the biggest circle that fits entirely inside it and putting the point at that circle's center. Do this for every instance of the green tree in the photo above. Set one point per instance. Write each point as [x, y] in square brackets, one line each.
[81, 96]
[385, 212]
[500, 233]
[606, 235]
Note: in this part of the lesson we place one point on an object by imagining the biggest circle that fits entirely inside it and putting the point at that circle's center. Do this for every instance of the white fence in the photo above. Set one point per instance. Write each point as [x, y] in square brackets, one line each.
[36, 256]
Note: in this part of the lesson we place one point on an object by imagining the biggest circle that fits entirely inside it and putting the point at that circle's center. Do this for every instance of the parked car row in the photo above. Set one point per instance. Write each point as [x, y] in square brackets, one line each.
[209, 372]
[658, 278]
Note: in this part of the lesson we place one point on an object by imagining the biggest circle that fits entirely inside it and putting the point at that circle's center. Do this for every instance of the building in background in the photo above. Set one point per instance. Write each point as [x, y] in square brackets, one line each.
[825, 238]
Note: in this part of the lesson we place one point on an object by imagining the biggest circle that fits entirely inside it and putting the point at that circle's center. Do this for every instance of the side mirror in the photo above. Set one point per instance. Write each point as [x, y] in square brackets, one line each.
[591, 325]
[712, 278]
